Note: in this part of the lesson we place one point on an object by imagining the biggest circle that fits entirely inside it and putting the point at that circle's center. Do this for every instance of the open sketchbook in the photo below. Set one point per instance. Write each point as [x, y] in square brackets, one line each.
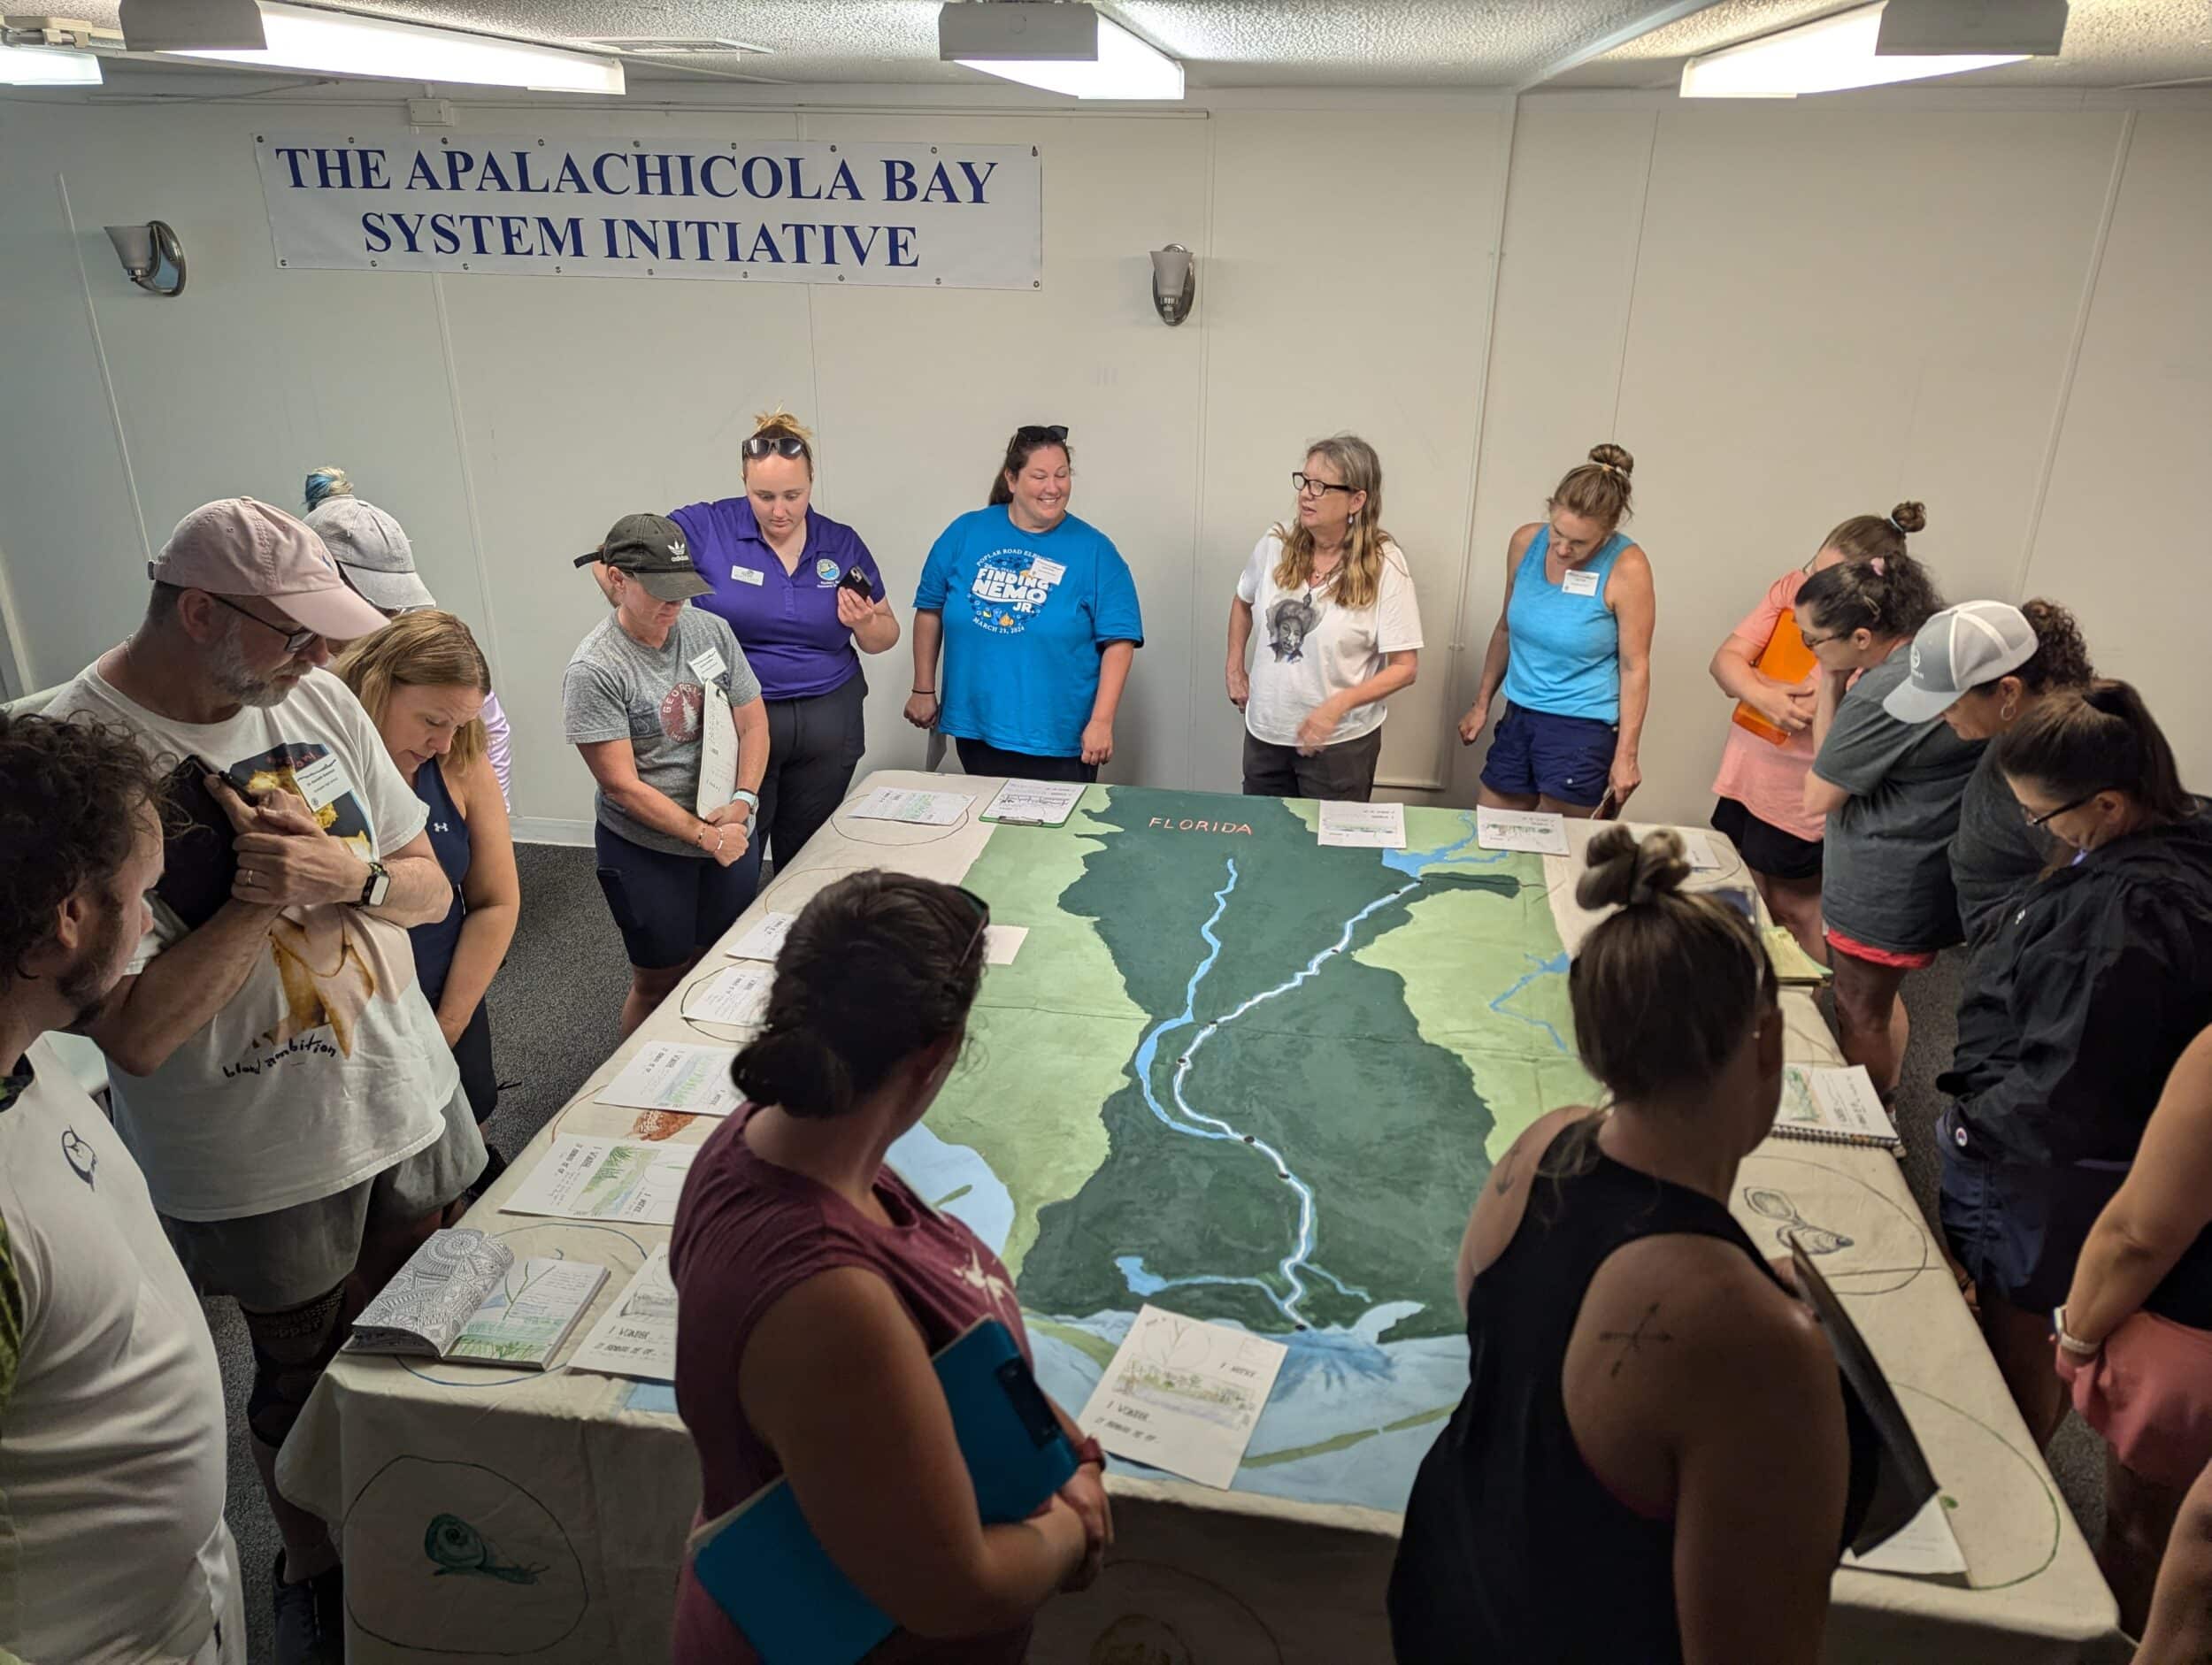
[1834, 1107]
[462, 1296]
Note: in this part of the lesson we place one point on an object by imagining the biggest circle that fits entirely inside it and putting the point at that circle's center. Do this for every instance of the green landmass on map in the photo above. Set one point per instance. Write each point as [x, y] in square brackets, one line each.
[1380, 1078]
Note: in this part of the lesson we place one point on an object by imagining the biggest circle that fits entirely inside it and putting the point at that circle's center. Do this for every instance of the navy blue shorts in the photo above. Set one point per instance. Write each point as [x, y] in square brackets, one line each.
[2016, 1228]
[669, 908]
[1537, 753]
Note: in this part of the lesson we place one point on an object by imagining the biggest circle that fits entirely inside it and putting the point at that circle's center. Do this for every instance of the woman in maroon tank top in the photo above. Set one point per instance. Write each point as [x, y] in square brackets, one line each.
[813, 1285]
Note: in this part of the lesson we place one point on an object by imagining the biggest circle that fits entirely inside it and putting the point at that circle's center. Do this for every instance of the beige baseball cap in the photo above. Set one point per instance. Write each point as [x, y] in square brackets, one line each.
[241, 546]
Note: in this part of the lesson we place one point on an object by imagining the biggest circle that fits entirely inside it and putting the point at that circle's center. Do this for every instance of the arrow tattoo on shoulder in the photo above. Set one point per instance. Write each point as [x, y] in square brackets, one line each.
[1632, 1340]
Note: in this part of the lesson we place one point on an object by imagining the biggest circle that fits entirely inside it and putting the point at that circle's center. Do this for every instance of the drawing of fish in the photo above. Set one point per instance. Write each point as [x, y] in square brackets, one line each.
[458, 1547]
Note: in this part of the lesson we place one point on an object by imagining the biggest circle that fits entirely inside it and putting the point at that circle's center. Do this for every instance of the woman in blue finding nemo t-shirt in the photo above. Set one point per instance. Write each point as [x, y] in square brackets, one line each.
[1037, 615]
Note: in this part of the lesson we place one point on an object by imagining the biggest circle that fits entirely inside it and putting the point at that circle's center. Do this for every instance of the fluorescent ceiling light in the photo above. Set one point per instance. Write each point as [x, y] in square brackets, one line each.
[47, 66]
[1068, 49]
[338, 44]
[1825, 57]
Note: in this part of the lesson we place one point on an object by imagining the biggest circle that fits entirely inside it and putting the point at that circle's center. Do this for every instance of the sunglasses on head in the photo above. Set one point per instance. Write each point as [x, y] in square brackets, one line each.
[774, 444]
[982, 920]
[1054, 433]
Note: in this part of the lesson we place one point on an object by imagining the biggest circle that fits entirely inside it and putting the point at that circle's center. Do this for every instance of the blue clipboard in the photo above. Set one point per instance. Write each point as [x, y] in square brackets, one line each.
[761, 1562]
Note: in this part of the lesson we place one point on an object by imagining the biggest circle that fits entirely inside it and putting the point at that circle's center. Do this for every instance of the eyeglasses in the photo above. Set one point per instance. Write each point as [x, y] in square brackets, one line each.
[1308, 486]
[2039, 821]
[1029, 433]
[778, 444]
[1812, 643]
[294, 639]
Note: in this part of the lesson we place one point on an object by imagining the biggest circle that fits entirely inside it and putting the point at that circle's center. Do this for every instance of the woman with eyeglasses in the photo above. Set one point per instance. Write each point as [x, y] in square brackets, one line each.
[1037, 617]
[813, 1285]
[1572, 651]
[801, 592]
[1343, 633]
[1889, 791]
[2090, 986]
[1760, 787]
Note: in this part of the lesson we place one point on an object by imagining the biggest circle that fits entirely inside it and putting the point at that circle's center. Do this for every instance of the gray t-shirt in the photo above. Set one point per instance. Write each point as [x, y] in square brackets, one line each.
[1995, 851]
[1886, 877]
[617, 688]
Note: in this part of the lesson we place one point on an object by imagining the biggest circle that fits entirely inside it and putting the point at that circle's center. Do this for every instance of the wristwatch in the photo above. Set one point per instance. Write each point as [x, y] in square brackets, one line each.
[1088, 1451]
[750, 799]
[378, 887]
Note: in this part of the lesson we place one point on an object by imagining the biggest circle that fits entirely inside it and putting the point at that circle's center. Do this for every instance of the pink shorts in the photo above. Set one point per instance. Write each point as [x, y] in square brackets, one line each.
[1877, 956]
[2149, 1392]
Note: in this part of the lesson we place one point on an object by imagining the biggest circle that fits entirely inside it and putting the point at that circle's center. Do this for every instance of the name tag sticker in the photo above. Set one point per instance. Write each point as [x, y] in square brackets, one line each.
[709, 665]
[322, 783]
[1580, 583]
[748, 575]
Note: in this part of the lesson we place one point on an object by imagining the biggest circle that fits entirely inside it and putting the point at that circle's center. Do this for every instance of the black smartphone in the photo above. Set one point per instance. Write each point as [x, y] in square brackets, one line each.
[199, 862]
[857, 582]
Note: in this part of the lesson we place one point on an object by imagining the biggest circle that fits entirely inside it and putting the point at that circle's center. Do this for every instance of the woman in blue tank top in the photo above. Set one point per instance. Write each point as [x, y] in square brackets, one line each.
[423, 681]
[1572, 652]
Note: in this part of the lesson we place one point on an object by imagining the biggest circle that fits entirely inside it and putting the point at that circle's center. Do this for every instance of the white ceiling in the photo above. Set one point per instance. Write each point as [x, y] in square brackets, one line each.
[1460, 43]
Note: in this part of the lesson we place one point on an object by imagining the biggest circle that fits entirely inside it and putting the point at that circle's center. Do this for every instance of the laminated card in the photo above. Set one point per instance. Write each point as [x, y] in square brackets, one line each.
[1183, 1395]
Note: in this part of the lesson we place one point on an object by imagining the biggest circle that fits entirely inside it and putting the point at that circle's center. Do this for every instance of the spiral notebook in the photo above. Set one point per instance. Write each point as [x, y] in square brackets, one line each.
[1834, 1107]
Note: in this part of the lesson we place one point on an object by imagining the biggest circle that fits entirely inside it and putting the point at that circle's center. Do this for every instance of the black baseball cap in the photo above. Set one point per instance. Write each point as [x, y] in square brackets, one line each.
[652, 549]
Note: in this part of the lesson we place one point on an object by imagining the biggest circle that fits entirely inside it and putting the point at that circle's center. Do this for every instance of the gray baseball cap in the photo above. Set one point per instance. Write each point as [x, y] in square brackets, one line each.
[652, 549]
[1961, 648]
[368, 545]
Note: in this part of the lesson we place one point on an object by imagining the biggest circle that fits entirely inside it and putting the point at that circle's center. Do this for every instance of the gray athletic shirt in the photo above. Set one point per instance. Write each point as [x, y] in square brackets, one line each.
[617, 688]
[1886, 878]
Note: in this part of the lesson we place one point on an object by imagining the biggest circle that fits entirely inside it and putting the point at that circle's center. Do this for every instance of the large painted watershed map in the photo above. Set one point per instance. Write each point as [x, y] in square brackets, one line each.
[1255, 1080]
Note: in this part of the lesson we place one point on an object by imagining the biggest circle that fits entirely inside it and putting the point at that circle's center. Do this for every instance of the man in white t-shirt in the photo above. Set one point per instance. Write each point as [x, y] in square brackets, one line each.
[277, 1071]
[113, 1546]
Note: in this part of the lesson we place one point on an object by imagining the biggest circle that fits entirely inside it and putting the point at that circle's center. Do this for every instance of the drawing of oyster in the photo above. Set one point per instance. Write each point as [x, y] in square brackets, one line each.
[1795, 1228]
[458, 1547]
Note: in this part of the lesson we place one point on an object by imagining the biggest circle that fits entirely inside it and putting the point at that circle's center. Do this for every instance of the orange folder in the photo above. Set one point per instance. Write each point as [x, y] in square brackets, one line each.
[1787, 660]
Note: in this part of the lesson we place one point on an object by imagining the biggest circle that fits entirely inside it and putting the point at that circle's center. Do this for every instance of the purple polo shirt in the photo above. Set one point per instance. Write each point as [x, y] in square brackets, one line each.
[787, 623]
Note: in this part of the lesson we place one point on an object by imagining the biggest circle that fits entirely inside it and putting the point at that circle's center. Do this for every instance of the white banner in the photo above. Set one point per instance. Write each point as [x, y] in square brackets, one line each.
[951, 216]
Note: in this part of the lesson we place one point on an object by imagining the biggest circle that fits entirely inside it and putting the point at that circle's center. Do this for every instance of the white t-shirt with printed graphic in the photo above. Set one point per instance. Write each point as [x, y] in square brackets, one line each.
[328, 1065]
[1308, 649]
[111, 1450]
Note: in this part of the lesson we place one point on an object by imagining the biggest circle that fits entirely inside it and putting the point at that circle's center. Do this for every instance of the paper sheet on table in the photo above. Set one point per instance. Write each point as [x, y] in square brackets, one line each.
[669, 1075]
[1001, 943]
[1183, 1395]
[765, 940]
[1363, 826]
[638, 1338]
[1036, 802]
[582, 1178]
[1697, 844]
[736, 994]
[913, 806]
[1528, 830]
[1926, 1548]
[717, 754]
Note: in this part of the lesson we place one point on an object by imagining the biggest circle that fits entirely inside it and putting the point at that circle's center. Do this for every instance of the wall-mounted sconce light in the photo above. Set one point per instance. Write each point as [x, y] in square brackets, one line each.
[143, 249]
[1174, 283]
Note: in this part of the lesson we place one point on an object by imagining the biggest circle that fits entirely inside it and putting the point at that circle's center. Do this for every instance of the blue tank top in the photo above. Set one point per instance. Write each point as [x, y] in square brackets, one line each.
[434, 943]
[1566, 655]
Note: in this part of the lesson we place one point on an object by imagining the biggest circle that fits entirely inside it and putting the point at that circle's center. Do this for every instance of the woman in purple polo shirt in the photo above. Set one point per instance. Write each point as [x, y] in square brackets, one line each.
[801, 591]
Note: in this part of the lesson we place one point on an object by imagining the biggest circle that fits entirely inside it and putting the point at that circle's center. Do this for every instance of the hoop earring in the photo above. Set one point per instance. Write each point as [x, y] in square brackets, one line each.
[2008, 711]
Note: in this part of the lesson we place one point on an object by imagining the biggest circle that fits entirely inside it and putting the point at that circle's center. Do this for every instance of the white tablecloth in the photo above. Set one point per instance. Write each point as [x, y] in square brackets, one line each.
[602, 1486]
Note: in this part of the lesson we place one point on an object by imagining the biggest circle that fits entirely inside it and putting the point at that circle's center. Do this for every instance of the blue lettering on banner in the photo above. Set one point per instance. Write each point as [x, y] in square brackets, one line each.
[969, 219]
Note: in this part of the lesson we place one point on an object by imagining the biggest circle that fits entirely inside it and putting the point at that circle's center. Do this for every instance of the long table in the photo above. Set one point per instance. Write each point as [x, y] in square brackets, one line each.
[580, 1487]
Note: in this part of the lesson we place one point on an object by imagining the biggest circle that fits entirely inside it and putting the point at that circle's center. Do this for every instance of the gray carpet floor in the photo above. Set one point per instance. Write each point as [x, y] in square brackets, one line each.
[554, 1011]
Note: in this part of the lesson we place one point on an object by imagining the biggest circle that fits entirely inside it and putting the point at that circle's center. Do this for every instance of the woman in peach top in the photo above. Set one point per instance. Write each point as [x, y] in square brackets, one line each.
[1762, 780]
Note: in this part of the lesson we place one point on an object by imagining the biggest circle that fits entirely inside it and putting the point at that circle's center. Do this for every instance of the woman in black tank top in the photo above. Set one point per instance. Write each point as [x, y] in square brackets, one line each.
[1653, 1460]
